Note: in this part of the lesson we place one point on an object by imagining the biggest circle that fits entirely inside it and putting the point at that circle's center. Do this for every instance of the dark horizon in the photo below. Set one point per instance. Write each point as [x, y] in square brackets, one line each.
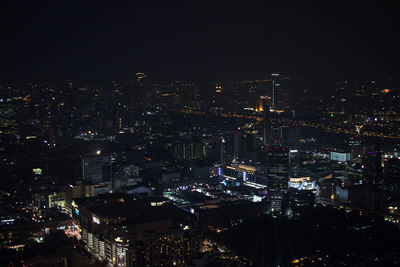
[196, 41]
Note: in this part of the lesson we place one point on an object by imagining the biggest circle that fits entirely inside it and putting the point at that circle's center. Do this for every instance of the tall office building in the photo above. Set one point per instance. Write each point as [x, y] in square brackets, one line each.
[275, 77]
[272, 134]
[188, 150]
[392, 169]
[278, 176]
[222, 160]
[372, 167]
[97, 169]
[222, 151]
[272, 131]
[356, 146]
[251, 142]
[236, 146]
[392, 177]
[291, 137]
[267, 126]
[276, 135]
[278, 167]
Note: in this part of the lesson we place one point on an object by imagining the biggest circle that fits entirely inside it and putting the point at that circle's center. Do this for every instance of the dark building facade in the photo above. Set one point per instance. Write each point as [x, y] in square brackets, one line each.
[97, 169]
[278, 176]
[372, 167]
[278, 167]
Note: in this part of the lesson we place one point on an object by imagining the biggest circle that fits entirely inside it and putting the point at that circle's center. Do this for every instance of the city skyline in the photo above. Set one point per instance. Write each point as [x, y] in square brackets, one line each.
[199, 134]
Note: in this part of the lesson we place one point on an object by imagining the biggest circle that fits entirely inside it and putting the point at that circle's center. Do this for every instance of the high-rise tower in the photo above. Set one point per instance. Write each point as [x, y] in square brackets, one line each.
[278, 167]
[271, 132]
[223, 151]
[266, 124]
[278, 177]
[236, 146]
[275, 77]
[371, 167]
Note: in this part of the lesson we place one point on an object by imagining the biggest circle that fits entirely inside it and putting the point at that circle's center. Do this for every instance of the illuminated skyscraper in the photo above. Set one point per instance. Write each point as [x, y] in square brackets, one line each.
[272, 133]
[278, 167]
[278, 176]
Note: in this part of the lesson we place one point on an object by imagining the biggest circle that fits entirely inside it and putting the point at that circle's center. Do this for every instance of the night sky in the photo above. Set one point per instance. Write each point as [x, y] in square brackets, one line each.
[95, 40]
